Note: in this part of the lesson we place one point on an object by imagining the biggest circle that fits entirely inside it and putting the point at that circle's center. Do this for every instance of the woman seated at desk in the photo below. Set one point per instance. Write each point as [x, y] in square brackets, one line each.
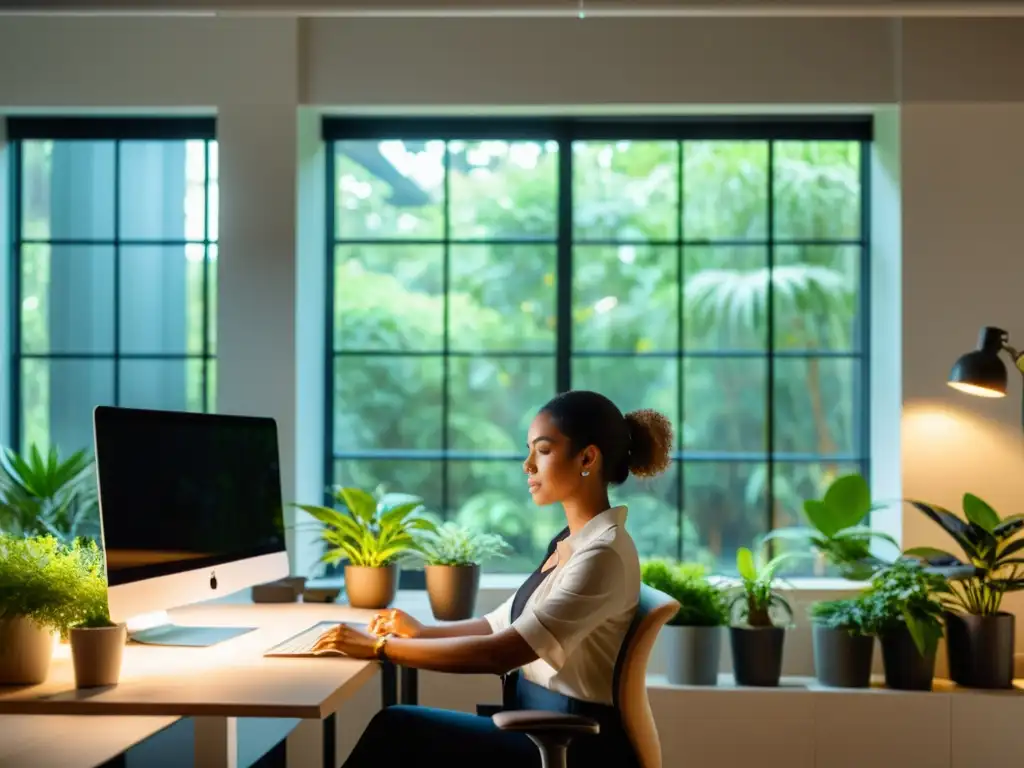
[556, 641]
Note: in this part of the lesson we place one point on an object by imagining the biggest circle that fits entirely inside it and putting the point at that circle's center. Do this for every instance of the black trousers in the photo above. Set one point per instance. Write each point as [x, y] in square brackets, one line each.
[399, 735]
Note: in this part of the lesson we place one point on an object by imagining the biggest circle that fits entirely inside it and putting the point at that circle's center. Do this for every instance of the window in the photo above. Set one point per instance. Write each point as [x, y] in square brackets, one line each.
[710, 269]
[113, 272]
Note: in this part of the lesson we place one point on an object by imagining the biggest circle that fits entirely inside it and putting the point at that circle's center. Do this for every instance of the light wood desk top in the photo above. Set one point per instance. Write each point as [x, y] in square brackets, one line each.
[40, 741]
[230, 679]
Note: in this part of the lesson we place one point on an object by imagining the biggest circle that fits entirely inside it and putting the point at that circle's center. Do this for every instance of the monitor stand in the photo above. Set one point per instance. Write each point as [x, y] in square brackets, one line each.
[158, 630]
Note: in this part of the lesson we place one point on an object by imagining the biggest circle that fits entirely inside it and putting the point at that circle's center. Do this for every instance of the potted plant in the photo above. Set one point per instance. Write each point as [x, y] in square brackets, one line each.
[373, 535]
[757, 643]
[836, 529]
[452, 555]
[906, 615]
[843, 644]
[979, 636]
[42, 583]
[694, 634]
[97, 643]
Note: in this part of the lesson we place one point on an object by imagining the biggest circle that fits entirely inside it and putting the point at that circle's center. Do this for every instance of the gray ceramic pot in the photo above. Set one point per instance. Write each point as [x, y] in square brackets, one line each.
[96, 653]
[842, 660]
[980, 649]
[905, 668]
[694, 654]
[369, 587]
[26, 650]
[452, 590]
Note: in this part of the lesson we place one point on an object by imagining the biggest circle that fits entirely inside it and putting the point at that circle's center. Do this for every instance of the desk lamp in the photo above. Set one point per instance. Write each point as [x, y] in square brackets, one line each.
[982, 372]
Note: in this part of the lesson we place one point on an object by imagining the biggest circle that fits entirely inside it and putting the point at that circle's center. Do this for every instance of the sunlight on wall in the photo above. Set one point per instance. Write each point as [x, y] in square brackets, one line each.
[949, 450]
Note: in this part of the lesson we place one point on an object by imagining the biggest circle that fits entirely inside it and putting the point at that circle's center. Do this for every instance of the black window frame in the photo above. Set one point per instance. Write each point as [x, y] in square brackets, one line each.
[566, 130]
[117, 129]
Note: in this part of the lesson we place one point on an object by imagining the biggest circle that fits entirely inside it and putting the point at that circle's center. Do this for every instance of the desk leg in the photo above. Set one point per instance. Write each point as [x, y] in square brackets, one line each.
[304, 747]
[410, 686]
[388, 684]
[216, 742]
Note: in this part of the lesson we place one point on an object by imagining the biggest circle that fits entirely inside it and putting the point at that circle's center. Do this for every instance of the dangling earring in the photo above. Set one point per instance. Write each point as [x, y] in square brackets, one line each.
[585, 473]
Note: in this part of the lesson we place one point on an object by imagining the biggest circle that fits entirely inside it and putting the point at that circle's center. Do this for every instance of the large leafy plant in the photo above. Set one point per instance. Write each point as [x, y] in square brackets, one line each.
[836, 528]
[54, 584]
[458, 545]
[906, 595]
[993, 560]
[756, 596]
[45, 494]
[701, 603]
[368, 530]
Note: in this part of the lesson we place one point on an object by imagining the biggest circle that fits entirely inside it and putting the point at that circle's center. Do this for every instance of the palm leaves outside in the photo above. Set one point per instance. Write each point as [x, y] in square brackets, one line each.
[370, 531]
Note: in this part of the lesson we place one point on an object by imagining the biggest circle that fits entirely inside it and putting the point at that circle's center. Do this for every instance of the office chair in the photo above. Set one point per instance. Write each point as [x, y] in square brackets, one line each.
[552, 732]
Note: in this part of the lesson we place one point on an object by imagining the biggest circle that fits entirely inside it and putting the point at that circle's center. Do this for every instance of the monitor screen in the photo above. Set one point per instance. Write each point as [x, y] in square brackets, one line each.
[183, 491]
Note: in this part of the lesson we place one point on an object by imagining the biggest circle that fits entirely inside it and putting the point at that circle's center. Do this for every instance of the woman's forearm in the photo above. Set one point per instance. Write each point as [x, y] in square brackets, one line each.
[468, 628]
[479, 654]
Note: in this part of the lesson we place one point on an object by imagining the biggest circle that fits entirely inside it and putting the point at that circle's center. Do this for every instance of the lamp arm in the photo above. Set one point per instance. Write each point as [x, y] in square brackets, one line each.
[1018, 358]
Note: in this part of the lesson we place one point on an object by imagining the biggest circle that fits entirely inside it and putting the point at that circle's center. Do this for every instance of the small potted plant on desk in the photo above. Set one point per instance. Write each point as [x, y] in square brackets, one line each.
[97, 643]
[41, 589]
[906, 616]
[452, 555]
[979, 636]
[373, 535]
[694, 634]
[758, 642]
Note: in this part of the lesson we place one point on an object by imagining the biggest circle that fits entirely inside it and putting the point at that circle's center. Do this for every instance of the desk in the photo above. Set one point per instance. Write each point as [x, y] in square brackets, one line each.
[39, 741]
[219, 684]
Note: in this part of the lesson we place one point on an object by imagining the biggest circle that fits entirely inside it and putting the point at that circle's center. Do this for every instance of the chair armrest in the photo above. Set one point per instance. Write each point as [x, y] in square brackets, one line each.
[530, 721]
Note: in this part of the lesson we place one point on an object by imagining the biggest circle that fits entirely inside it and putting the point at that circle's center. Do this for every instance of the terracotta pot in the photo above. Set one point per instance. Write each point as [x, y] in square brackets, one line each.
[369, 587]
[26, 650]
[452, 590]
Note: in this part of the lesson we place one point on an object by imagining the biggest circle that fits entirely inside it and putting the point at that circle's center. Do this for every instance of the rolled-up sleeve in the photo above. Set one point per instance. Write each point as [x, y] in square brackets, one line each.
[589, 591]
[501, 617]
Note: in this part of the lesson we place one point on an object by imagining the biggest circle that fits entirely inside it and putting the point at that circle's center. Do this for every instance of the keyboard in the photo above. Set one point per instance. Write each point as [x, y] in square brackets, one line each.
[302, 644]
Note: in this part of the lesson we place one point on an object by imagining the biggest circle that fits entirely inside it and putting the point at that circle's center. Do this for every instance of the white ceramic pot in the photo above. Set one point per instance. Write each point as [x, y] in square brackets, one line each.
[97, 653]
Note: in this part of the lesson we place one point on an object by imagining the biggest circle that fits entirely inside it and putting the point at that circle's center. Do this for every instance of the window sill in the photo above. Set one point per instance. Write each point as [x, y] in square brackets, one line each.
[500, 582]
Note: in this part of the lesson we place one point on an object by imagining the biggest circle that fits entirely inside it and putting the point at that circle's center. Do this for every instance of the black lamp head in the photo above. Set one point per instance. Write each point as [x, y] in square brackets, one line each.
[982, 372]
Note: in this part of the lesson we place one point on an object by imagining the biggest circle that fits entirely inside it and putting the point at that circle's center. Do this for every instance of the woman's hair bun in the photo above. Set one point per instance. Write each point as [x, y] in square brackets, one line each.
[651, 439]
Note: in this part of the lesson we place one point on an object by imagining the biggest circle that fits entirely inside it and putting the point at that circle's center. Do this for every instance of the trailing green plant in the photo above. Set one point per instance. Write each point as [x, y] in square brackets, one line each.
[368, 530]
[906, 595]
[45, 494]
[849, 613]
[54, 584]
[702, 603]
[993, 560]
[756, 597]
[454, 544]
[836, 528]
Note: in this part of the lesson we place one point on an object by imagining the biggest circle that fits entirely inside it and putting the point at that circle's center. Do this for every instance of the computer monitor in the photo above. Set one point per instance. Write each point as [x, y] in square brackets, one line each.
[190, 509]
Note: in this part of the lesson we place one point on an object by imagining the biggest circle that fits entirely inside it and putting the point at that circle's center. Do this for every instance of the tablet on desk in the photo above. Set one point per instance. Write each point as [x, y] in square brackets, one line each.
[301, 645]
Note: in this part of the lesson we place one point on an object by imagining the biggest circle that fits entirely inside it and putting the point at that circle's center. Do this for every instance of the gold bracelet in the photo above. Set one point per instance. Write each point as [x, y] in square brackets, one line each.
[379, 647]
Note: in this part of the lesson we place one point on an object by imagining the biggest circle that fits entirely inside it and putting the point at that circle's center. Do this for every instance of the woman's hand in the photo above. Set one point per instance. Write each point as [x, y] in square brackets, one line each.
[395, 622]
[348, 641]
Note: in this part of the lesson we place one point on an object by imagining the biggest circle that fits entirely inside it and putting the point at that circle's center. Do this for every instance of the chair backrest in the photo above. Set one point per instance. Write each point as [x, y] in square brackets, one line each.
[654, 610]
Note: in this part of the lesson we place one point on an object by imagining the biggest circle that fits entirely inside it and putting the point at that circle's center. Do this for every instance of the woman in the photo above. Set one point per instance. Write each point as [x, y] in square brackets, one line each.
[556, 641]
